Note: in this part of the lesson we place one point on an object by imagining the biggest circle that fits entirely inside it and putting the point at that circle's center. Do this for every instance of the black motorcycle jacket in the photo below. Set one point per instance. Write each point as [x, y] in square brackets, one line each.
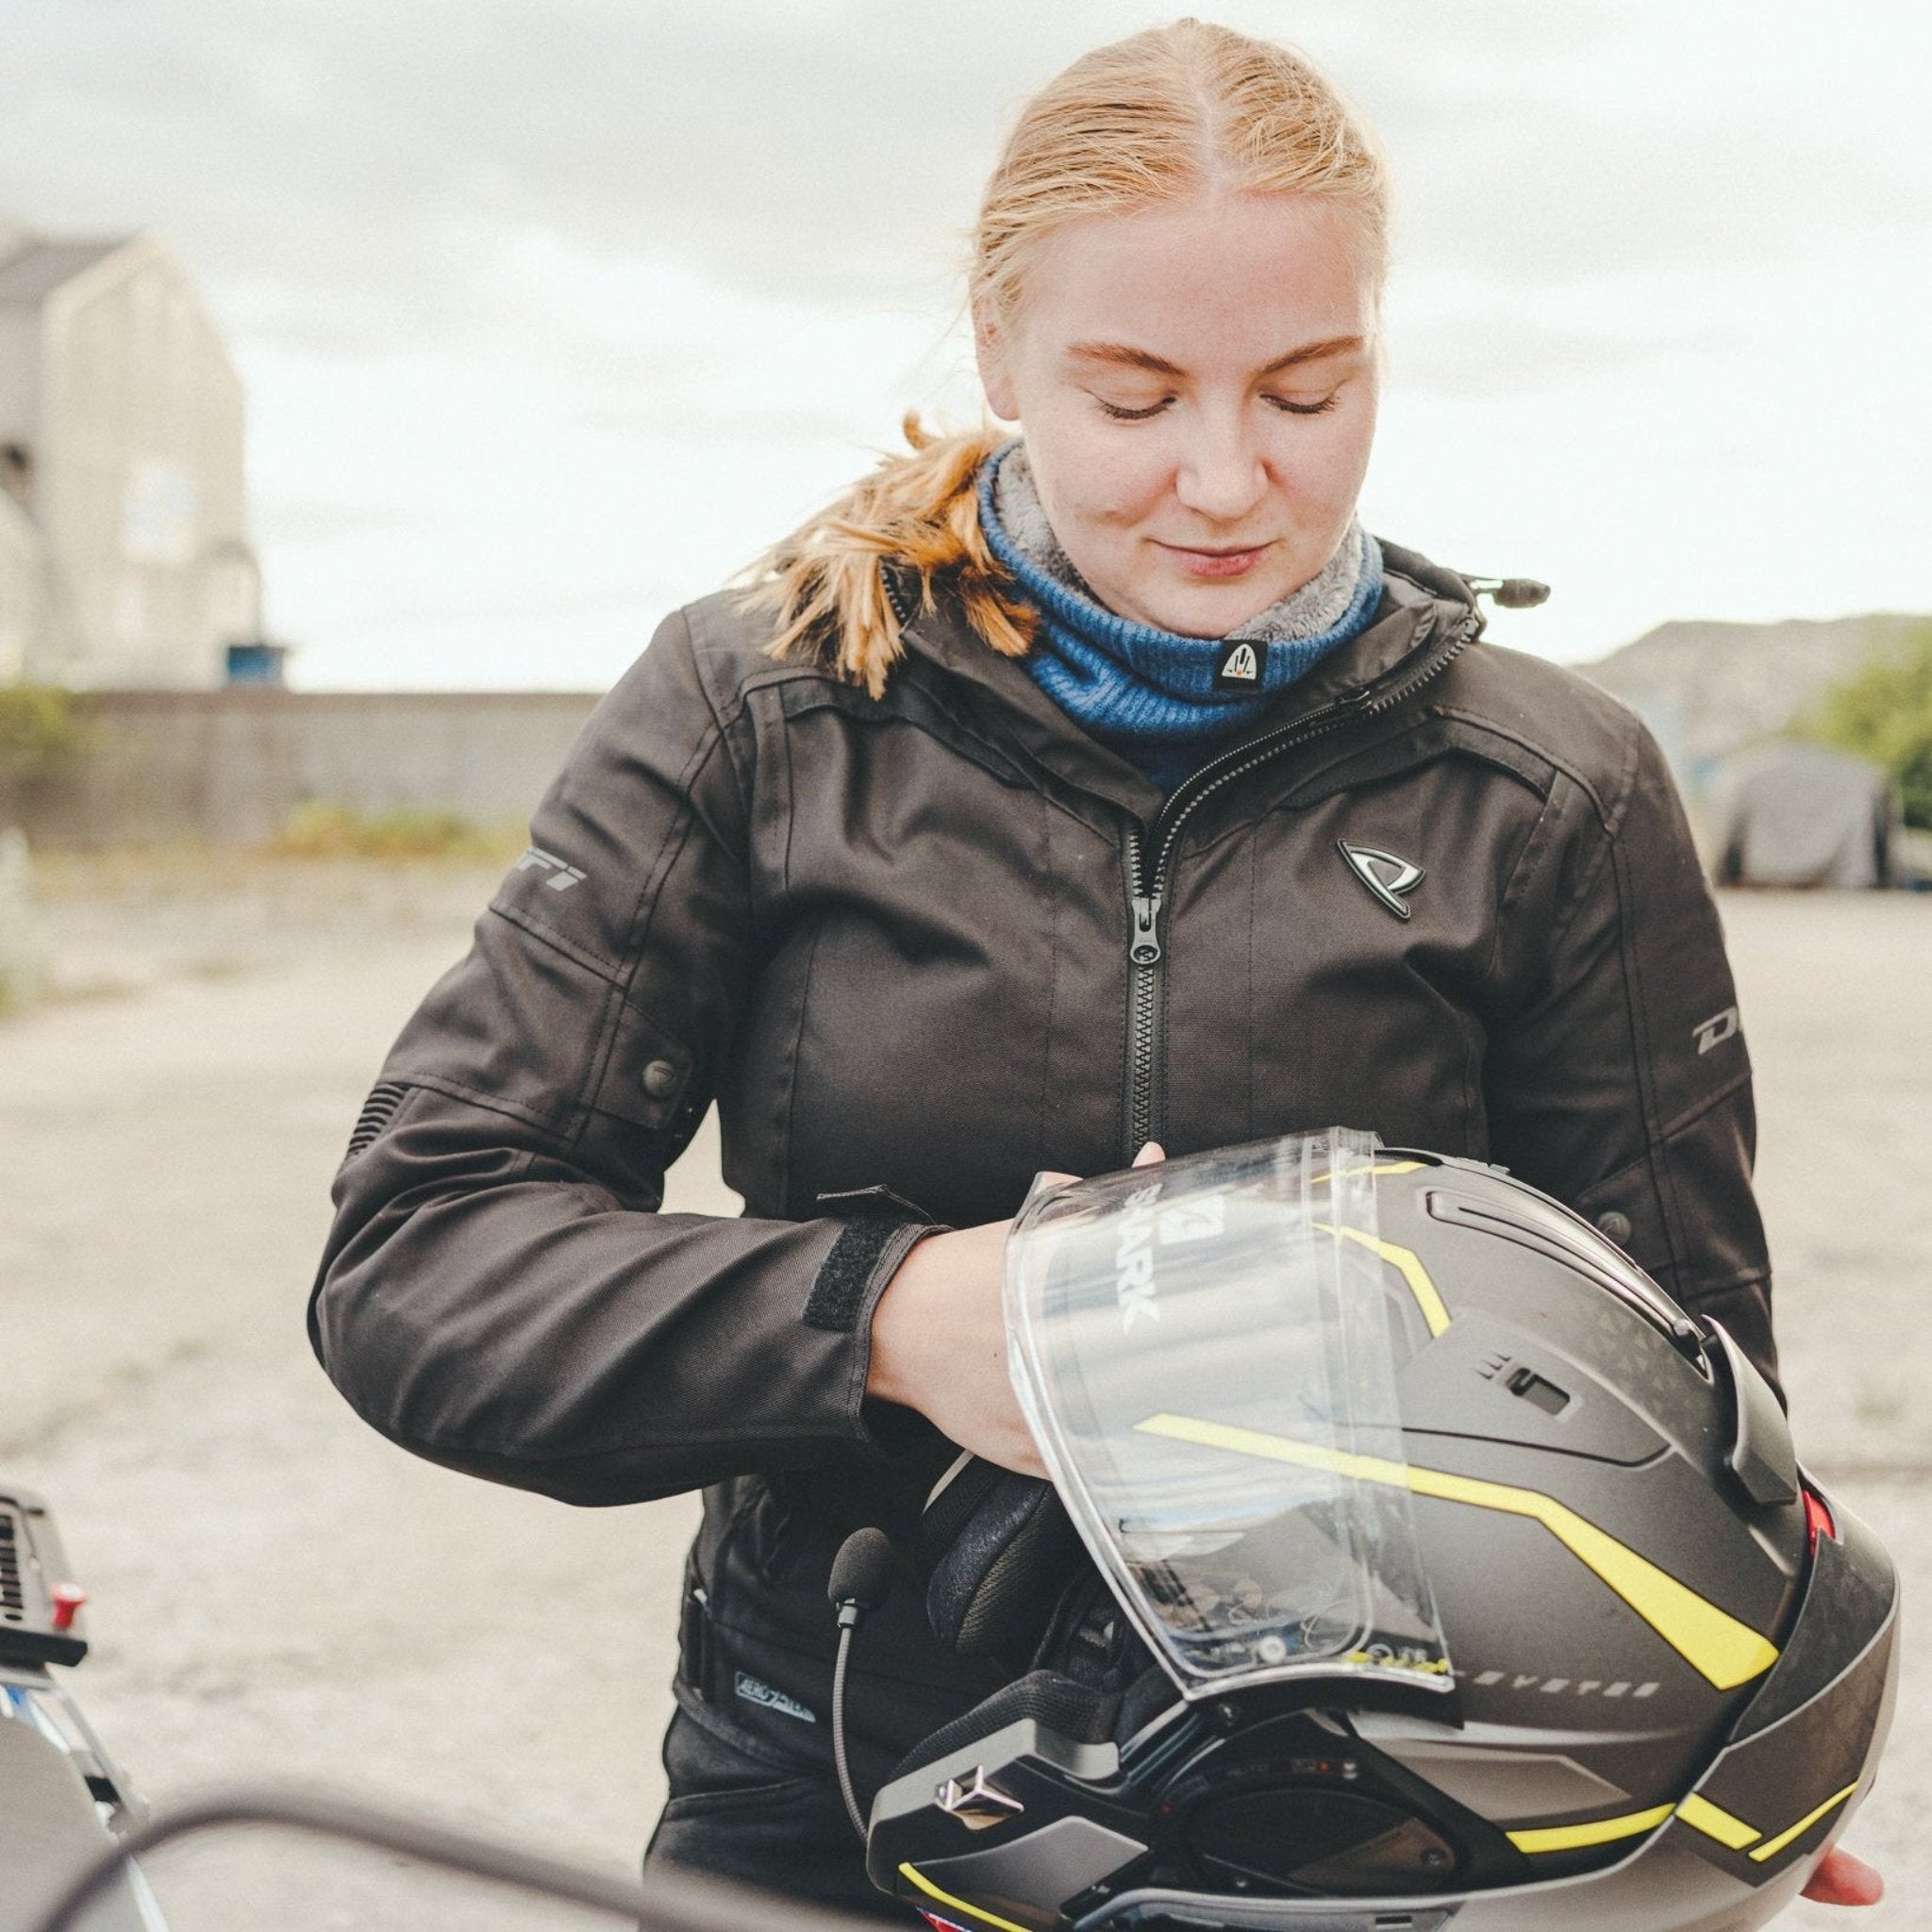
[915, 949]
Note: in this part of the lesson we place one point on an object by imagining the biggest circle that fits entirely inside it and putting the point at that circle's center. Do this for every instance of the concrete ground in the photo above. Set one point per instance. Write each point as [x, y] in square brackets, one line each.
[279, 1593]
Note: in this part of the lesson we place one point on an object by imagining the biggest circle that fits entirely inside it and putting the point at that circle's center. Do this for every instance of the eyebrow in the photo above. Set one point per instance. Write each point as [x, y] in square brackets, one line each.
[1123, 356]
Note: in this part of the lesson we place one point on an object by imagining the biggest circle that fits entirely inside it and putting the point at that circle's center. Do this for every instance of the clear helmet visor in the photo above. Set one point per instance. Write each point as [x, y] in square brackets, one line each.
[1206, 1352]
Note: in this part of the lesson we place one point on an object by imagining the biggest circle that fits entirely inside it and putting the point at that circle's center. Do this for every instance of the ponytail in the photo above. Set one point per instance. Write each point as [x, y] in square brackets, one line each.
[920, 512]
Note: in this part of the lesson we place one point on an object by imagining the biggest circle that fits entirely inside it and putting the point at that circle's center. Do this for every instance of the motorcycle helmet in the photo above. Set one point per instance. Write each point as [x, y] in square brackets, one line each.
[1412, 1561]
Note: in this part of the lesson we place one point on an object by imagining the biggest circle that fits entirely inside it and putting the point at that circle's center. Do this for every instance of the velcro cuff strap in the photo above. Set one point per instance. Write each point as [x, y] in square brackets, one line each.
[838, 1289]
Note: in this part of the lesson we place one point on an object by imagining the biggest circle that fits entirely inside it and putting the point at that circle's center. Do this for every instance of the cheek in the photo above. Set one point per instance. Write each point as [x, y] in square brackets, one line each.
[1337, 457]
[1097, 476]
[1318, 469]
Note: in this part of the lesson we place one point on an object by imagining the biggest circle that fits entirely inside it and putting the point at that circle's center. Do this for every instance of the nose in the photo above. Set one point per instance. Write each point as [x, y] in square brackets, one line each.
[1220, 473]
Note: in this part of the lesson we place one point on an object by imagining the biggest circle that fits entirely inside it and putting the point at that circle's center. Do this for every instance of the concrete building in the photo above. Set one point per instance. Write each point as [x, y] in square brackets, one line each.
[21, 576]
[125, 555]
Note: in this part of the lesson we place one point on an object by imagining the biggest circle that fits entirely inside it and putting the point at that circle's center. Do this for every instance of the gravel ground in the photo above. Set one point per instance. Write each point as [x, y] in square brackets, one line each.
[279, 1593]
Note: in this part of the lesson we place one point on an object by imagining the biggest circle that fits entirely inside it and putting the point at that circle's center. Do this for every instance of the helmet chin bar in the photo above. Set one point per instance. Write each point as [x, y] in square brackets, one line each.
[1243, 1798]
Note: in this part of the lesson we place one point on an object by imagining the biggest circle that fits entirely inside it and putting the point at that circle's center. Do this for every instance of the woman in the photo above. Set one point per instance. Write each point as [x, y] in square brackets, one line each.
[1049, 799]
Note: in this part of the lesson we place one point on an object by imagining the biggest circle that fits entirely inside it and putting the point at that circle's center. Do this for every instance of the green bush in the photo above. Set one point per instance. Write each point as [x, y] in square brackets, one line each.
[320, 829]
[1883, 712]
[40, 733]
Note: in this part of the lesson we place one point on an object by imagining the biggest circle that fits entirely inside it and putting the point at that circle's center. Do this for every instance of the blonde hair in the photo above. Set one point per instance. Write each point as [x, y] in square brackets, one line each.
[1151, 119]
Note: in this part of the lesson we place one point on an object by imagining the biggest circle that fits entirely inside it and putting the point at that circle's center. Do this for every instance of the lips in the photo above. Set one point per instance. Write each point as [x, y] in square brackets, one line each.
[1213, 563]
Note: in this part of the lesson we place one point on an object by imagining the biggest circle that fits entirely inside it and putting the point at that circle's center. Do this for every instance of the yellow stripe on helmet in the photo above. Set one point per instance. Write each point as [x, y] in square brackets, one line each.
[1713, 1643]
[1773, 1846]
[959, 1905]
[1602, 1831]
[1698, 1812]
[1713, 1821]
[1406, 1262]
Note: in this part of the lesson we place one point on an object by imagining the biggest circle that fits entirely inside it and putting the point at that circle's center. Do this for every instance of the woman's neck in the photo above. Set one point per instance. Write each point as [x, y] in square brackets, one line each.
[1317, 607]
[1165, 702]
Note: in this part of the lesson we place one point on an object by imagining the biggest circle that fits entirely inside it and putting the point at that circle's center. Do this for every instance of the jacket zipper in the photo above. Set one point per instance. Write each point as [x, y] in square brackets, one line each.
[1145, 1101]
[1143, 1115]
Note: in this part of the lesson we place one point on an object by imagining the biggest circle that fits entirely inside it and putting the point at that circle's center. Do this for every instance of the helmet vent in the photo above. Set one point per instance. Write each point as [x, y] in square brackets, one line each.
[1548, 1229]
[1540, 1393]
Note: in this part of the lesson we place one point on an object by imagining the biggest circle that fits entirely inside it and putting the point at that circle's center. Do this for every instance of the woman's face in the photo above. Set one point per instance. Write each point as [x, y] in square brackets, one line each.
[1197, 384]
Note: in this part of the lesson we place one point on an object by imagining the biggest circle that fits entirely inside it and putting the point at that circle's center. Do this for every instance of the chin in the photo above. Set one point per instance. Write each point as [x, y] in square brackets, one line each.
[1207, 611]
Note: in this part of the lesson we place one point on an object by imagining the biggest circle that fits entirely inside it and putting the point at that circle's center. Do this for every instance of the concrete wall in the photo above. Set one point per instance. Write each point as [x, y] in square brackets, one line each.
[231, 766]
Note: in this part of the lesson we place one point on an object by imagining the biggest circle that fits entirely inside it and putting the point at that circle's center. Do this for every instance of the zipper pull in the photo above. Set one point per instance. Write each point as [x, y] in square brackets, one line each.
[1144, 948]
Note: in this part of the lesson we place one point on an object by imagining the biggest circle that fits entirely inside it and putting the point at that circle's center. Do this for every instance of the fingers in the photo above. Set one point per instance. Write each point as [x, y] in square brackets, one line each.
[1148, 1154]
[1843, 1880]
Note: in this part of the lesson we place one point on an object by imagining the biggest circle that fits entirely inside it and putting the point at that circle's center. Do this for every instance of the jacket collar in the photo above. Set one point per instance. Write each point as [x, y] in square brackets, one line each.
[1422, 604]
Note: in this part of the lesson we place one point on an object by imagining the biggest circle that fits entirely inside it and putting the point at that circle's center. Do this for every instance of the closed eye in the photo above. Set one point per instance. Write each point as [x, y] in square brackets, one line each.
[1121, 414]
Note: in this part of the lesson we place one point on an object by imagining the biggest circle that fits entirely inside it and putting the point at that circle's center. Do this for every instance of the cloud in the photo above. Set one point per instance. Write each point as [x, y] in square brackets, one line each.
[348, 169]
[289, 517]
[1453, 335]
[552, 311]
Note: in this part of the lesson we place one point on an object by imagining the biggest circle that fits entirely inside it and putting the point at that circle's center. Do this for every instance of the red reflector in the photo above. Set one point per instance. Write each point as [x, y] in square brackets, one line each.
[1817, 1519]
[938, 1924]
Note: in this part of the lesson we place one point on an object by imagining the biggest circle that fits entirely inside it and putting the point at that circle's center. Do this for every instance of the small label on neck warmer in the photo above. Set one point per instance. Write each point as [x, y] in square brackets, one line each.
[1240, 668]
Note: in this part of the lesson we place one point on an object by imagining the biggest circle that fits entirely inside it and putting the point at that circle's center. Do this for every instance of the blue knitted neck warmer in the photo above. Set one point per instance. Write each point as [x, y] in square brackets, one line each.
[1149, 693]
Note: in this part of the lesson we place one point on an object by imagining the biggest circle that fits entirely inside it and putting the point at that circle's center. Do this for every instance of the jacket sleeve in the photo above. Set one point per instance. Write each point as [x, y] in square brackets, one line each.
[499, 1293]
[1618, 1080]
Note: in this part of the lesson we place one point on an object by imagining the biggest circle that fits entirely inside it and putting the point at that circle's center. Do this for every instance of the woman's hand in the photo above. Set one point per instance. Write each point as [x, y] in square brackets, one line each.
[938, 1342]
[1844, 1880]
[938, 1345]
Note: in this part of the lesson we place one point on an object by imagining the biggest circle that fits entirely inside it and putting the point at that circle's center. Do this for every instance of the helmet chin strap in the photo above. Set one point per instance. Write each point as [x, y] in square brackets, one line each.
[860, 1581]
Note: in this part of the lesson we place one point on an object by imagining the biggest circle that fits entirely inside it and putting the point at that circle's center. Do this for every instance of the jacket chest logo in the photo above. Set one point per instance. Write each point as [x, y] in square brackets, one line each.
[1385, 876]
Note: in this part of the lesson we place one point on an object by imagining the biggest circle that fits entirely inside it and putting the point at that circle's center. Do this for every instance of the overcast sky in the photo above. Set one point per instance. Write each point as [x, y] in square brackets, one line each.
[551, 313]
